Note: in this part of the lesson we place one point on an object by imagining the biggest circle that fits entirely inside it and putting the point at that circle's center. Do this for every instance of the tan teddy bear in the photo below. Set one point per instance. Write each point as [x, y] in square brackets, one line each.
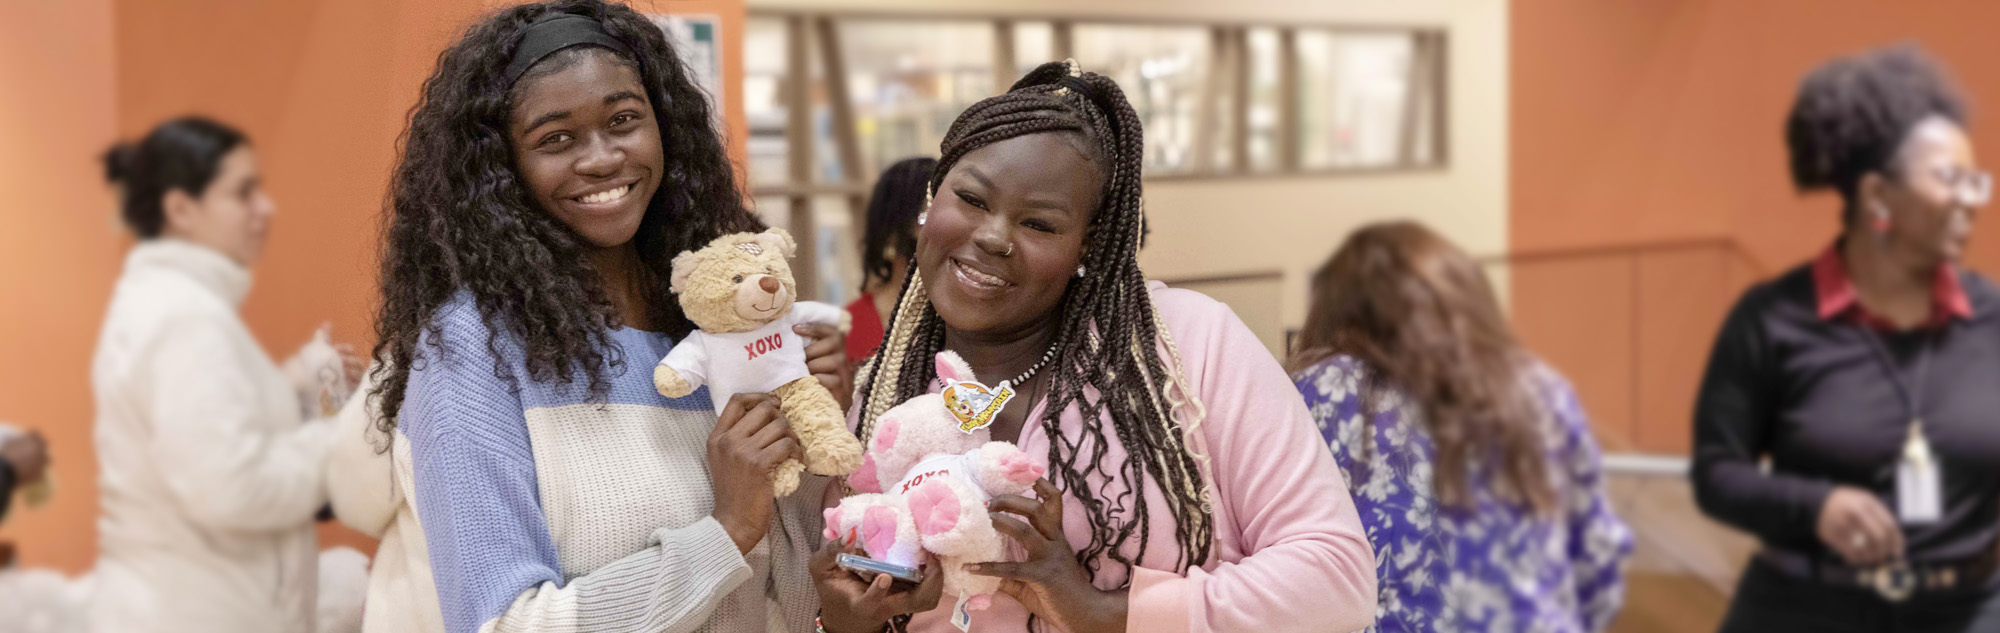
[739, 291]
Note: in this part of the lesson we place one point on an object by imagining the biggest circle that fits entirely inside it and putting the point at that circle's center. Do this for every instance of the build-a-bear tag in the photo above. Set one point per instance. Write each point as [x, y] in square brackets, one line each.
[960, 617]
[975, 405]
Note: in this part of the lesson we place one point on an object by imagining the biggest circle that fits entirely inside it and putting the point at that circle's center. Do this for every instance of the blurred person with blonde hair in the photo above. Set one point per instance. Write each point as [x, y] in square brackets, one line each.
[210, 475]
[1470, 460]
[1847, 415]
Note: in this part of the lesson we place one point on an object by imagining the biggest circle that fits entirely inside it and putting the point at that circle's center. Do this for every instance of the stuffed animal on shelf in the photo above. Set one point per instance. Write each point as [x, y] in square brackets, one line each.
[739, 291]
[937, 458]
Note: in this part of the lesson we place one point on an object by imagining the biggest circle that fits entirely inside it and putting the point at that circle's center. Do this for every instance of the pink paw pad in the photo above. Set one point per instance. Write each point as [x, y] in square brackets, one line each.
[878, 530]
[979, 602]
[934, 507]
[832, 518]
[1016, 467]
[864, 478]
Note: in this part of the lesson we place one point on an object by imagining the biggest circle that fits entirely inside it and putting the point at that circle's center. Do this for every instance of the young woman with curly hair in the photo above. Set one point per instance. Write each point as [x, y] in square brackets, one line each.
[1846, 419]
[1187, 489]
[557, 160]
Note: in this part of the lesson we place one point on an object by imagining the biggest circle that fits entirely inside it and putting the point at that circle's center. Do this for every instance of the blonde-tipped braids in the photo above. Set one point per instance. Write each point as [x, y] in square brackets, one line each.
[1114, 359]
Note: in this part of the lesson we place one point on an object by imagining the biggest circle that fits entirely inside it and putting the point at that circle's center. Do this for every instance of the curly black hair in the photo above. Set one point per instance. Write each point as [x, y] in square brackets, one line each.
[1109, 341]
[892, 217]
[461, 219]
[1852, 114]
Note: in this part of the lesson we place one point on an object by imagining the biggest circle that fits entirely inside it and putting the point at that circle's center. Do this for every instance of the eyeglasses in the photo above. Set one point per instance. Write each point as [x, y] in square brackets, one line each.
[1970, 187]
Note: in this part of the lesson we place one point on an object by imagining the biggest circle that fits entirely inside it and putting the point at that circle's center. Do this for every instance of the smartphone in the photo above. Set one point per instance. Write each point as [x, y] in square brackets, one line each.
[867, 568]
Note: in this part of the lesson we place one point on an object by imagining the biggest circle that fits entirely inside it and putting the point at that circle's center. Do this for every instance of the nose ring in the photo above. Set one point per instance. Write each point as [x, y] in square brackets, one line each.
[1010, 250]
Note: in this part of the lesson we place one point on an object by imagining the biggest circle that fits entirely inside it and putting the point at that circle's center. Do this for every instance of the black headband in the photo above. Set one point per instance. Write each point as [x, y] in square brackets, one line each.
[557, 32]
[1090, 93]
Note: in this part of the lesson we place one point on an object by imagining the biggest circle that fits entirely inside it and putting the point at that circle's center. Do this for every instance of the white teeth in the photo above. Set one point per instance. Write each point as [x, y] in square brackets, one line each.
[979, 277]
[605, 196]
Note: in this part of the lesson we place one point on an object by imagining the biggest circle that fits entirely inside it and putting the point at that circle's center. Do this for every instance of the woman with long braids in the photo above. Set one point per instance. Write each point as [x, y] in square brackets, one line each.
[558, 159]
[1187, 490]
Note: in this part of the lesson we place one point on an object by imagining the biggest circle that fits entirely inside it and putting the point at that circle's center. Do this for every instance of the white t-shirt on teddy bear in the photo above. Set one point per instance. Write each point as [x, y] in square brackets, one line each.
[957, 467]
[756, 361]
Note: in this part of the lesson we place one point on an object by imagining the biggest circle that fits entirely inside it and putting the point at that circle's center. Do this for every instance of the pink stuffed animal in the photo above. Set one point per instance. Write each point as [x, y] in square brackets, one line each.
[940, 477]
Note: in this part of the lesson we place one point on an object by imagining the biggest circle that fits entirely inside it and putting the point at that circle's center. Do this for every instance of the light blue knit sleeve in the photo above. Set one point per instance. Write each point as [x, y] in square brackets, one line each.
[478, 499]
[475, 476]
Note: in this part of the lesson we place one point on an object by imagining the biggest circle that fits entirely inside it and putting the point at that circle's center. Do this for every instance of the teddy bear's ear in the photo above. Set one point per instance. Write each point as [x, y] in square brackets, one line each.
[777, 239]
[950, 367]
[684, 265]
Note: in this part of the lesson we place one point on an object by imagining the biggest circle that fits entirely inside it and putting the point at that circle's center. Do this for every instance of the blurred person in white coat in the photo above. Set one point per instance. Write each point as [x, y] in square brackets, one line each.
[370, 482]
[211, 474]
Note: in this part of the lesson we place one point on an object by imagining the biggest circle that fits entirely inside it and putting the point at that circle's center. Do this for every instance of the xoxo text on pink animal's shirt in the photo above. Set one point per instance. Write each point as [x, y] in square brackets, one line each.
[919, 479]
[764, 346]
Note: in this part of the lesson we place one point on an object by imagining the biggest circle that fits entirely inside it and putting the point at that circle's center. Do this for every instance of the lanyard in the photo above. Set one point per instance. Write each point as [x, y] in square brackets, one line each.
[1913, 393]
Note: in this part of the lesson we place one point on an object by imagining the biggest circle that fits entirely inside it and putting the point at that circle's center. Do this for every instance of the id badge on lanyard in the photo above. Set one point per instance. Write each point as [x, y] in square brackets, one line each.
[1919, 498]
[1919, 479]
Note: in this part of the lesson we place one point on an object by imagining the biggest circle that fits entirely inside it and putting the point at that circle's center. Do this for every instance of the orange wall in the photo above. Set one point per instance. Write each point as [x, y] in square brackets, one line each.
[1646, 143]
[321, 86]
[59, 251]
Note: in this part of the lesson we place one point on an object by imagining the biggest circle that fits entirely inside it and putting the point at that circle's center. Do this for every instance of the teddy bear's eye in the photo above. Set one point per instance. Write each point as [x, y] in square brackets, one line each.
[739, 279]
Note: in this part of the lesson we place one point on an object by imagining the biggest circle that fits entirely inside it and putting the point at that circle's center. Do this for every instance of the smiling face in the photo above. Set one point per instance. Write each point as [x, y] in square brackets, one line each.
[587, 145]
[1006, 230]
[1932, 201]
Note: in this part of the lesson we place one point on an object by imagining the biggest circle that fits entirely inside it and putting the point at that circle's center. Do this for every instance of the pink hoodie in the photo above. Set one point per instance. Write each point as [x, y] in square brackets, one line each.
[1289, 552]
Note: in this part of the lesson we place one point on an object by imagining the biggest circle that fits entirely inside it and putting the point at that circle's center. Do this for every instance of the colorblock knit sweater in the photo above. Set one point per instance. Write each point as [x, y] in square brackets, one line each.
[545, 510]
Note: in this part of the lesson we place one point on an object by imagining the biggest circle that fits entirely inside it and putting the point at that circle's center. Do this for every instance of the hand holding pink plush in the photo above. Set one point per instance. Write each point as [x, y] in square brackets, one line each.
[928, 483]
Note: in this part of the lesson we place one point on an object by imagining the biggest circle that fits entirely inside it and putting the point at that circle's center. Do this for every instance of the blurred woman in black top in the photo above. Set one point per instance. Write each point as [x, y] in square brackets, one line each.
[1850, 416]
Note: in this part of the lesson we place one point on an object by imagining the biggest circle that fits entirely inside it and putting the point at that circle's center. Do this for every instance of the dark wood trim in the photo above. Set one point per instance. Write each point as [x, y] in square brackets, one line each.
[812, 189]
[1062, 39]
[1261, 275]
[1537, 256]
[1227, 85]
[1090, 18]
[1289, 116]
[1003, 55]
[1239, 100]
[1303, 173]
[840, 107]
[1211, 98]
[799, 145]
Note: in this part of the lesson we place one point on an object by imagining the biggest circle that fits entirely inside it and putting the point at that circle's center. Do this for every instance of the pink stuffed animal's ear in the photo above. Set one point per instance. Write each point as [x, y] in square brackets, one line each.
[950, 367]
[886, 430]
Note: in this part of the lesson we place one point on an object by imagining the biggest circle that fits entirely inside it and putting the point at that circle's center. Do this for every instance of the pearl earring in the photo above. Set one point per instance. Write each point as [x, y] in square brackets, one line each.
[923, 217]
[1079, 271]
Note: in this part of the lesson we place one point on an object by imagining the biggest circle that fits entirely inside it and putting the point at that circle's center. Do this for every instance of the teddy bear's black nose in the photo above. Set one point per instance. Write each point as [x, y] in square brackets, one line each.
[769, 284]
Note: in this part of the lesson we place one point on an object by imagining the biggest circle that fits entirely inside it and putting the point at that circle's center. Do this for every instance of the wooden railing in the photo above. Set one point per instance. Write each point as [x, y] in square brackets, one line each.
[1661, 326]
